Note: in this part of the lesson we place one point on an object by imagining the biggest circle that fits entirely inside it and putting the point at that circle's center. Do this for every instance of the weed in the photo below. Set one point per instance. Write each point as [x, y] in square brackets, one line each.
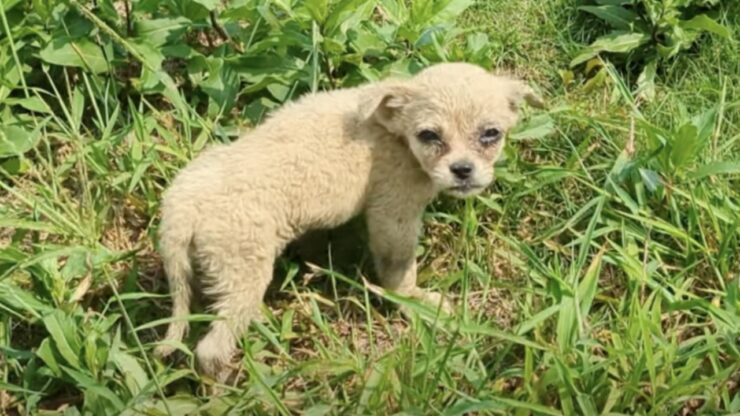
[599, 274]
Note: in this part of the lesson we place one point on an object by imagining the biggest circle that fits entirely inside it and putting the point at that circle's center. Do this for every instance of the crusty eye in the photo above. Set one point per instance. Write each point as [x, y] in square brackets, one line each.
[490, 136]
[428, 136]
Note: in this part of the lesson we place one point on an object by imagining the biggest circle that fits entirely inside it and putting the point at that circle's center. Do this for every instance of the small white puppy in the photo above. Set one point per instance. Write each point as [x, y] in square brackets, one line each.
[385, 150]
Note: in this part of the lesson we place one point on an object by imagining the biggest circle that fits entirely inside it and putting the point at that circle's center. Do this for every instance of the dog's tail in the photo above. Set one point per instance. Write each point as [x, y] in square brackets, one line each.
[176, 235]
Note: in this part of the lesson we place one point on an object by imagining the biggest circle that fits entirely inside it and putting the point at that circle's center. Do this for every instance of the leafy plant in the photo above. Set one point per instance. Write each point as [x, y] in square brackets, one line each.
[229, 61]
[645, 32]
[594, 276]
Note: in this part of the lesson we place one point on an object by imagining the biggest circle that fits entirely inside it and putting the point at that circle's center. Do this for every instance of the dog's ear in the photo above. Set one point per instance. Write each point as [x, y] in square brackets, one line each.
[384, 102]
[519, 91]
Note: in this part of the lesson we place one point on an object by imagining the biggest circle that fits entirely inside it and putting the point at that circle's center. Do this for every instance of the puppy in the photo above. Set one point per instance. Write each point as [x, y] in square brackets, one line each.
[384, 150]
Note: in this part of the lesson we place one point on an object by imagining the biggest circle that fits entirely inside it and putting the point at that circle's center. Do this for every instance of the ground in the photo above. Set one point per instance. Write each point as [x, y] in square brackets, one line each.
[579, 289]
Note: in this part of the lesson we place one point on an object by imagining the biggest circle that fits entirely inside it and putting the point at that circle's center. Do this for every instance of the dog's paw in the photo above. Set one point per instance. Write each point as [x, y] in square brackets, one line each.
[434, 300]
[163, 351]
[437, 301]
[214, 361]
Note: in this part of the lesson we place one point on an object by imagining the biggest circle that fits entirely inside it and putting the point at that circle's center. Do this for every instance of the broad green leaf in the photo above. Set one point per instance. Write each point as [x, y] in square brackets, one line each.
[221, 84]
[617, 42]
[584, 55]
[256, 110]
[691, 138]
[651, 179]
[15, 298]
[134, 375]
[404, 68]
[64, 336]
[596, 81]
[285, 5]
[158, 32]
[150, 81]
[673, 48]
[444, 11]
[15, 140]
[646, 81]
[208, 4]
[346, 14]
[279, 91]
[33, 103]
[620, 42]
[179, 50]
[536, 128]
[684, 145]
[11, 80]
[15, 165]
[46, 353]
[318, 9]
[705, 23]
[618, 17]
[75, 266]
[476, 43]
[420, 12]
[396, 11]
[368, 43]
[716, 168]
[89, 385]
[80, 52]
[9, 4]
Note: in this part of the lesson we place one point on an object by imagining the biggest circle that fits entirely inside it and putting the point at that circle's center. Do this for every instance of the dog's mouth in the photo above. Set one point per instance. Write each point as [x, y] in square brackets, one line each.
[464, 190]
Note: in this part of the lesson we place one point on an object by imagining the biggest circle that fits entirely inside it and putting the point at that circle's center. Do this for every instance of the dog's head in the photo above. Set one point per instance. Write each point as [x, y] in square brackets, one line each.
[454, 118]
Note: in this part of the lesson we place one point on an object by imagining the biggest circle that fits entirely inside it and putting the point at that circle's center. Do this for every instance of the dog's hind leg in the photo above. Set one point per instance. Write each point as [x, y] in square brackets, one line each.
[237, 290]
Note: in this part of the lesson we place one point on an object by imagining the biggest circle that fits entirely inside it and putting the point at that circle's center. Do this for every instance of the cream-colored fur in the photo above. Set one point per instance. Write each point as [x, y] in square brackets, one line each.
[316, 163]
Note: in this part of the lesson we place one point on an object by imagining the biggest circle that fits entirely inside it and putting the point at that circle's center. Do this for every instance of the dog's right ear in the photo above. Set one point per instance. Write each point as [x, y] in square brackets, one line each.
[384, 102]
[519, 91]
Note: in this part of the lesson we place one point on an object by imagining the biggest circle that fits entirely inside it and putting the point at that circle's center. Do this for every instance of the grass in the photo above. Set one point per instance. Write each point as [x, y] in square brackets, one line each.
[584, 285]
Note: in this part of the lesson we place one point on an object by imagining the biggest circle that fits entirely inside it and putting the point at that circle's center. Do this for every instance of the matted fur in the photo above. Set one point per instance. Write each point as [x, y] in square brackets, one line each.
[316, 163]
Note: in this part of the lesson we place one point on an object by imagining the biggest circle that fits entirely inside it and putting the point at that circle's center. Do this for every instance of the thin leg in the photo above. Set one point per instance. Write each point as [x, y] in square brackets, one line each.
[393, 241]
[238, 293]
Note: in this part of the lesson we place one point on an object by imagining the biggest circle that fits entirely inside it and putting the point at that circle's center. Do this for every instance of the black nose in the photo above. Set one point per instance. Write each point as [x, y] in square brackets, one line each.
[462, 170]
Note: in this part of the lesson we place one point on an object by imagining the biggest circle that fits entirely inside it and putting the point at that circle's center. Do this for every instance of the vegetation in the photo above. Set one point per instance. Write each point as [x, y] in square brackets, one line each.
[647, 31]
[600, 274]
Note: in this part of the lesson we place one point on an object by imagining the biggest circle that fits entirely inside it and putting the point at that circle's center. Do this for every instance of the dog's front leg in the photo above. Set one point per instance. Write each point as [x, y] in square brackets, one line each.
[393, 238]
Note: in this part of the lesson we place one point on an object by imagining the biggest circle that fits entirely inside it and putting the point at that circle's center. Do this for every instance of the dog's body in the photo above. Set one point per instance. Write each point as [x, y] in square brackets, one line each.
[316, 163]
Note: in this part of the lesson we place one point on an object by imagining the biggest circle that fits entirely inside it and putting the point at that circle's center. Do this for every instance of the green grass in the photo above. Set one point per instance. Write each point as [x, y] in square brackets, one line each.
[583, 285]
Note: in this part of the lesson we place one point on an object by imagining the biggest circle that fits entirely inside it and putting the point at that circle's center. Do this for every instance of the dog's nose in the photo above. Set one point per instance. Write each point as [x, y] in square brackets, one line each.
[462, 170]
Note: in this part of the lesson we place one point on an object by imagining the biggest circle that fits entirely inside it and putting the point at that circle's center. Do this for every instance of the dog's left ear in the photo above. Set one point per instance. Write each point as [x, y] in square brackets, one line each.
[384, 102]
[519, 91]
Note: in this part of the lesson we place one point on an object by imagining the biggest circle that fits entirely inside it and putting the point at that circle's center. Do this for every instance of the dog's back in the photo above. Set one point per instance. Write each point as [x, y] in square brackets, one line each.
[313, 141]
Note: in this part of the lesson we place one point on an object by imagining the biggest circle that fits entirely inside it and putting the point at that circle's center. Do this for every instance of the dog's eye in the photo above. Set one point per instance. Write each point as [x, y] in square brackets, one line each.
[490, 136]
[428, 136]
